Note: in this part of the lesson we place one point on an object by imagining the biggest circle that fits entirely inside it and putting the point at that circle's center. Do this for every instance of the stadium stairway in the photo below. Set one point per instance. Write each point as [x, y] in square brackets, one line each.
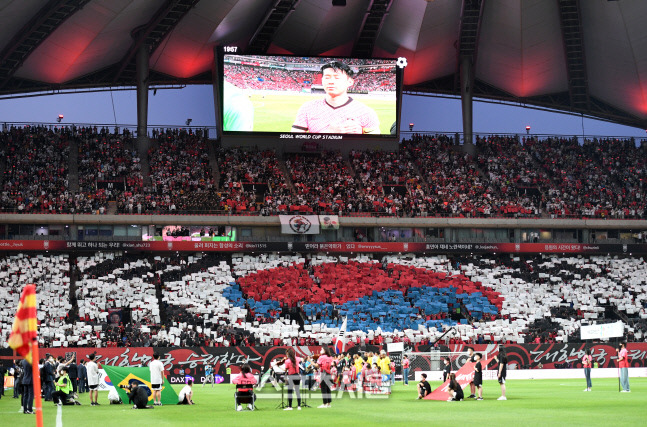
[73, 313]
[3, 166]
[213, 163]
[73, 166]
[539, 167]
[280, 161]
[543, 190]
[145, 161]
[349, 167]
[163, 307]
[622, 316]
[112, 207]
[423, 181]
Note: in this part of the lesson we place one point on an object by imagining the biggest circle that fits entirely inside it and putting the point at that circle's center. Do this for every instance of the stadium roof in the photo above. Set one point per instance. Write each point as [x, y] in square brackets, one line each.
[581, 56]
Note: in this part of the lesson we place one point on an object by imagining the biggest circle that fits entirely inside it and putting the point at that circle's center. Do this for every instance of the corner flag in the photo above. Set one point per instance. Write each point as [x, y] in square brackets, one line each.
[24, 329]
[24, 339]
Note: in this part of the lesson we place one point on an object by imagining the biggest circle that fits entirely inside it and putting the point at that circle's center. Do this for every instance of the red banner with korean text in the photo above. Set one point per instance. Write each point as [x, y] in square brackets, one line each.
[191, 360]
[333, 247]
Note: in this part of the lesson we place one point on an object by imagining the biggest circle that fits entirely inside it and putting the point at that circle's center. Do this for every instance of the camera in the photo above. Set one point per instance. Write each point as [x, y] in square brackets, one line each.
[127, 387]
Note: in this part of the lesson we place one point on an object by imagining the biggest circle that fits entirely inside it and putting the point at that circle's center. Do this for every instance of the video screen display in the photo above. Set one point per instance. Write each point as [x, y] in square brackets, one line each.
[315, 95]
[194, 233]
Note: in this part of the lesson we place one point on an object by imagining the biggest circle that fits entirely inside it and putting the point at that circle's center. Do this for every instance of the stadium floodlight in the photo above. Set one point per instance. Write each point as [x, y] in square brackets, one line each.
[411, 126]
[188, 122]
[528, 130]
[59, 118]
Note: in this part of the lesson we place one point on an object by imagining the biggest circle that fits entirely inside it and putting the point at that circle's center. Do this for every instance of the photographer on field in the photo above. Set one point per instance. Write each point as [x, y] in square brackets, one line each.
[64, 390]
[137, 395]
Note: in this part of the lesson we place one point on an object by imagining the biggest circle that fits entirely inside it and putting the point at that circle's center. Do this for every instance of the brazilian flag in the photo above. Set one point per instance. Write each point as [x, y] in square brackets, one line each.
[142, 377]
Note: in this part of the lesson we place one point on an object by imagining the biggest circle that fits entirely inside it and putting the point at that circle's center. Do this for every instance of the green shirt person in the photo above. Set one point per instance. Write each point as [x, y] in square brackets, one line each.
[238, 110]
[63, 389]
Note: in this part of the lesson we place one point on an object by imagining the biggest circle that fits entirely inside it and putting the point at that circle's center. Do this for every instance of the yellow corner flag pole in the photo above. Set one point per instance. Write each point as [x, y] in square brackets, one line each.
[24, 339]
[36, 374]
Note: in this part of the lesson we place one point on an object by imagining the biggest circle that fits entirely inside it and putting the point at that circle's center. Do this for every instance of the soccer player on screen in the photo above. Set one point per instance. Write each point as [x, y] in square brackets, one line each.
[336, 112]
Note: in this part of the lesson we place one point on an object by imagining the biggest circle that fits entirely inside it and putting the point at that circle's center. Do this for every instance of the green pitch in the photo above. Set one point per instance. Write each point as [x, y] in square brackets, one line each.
[530, 403]
[276, 113]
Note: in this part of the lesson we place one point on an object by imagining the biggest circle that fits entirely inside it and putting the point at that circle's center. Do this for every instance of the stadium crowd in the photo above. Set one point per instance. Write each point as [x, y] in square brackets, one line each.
[250, 176]
[108, 167]
[181, 179]
[325, 184]
[258, 78]
[115, 299]
[602, 178]
[511, 175]
[278, 79]
[430, 175]
[35, 170]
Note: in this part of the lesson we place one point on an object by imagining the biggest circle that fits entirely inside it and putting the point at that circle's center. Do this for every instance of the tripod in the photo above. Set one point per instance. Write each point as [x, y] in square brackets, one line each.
[304, 401]
[304, 396]
[282, 404]
[301, 397]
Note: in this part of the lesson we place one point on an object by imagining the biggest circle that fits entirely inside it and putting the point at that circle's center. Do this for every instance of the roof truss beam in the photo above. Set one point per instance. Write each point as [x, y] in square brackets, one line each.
[371, 27]
[570, 20]
[468, 35]
[274, 18]
[33, 33]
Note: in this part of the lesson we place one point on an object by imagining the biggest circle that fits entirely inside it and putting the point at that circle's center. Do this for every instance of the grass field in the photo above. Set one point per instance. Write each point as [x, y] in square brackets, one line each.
[276, 113]
[530, 403]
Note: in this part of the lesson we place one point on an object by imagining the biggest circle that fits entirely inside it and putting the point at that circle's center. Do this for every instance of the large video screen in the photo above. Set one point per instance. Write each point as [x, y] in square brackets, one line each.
[178, 233]
[315, 95]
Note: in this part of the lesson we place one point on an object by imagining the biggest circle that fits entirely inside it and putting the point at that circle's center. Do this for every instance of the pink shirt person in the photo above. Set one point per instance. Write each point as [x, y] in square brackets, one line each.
[291, 368]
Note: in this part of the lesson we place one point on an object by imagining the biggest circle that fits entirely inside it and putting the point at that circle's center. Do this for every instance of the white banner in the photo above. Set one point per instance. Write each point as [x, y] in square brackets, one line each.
[329, 222]
[394, 347]
[607, 330]
[299, 224]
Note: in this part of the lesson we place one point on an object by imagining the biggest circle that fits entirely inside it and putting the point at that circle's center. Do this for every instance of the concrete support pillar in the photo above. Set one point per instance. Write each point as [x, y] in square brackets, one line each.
[142, 100]
[467, 90]
[217, 92]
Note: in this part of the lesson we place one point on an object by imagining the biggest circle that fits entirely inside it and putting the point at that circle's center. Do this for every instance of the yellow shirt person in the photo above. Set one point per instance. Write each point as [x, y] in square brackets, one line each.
[385, 364]
[359, 363]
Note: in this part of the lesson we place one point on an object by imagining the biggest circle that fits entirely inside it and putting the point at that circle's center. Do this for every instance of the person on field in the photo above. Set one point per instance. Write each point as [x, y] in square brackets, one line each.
[502, 371]
[478, 376]
[424, 388]
[623, 364]
[454, 389]
[587, 363]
